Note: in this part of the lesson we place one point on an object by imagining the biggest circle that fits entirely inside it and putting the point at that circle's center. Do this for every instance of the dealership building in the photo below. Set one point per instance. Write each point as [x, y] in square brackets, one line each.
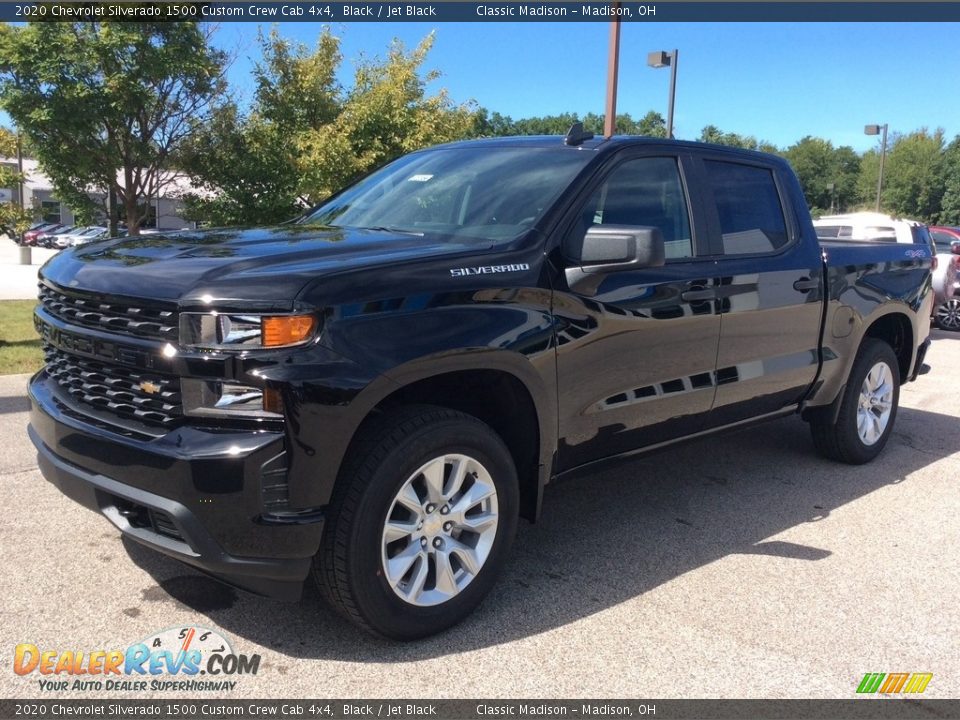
[164, 209]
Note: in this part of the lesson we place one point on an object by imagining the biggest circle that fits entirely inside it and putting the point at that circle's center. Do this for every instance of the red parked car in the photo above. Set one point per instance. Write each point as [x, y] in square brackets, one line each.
[31, 235]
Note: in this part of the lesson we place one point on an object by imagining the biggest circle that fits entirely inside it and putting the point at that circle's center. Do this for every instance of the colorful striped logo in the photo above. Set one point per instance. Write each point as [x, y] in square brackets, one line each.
[892, 683]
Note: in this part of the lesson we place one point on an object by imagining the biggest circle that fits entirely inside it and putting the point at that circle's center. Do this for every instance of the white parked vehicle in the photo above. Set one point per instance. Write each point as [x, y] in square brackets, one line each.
[871, 226]
[79, 236]
[877, 227]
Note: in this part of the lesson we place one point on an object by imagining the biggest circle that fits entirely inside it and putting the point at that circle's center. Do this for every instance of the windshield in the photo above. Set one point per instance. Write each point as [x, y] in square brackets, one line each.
[487, 193]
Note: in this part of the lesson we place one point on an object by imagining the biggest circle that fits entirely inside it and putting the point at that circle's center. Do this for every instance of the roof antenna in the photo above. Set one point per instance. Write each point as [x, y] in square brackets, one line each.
[576, 134]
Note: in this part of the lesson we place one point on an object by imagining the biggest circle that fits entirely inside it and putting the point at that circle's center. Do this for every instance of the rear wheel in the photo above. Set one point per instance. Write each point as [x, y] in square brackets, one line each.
[947, 316]
[867, 411]
[420, 524]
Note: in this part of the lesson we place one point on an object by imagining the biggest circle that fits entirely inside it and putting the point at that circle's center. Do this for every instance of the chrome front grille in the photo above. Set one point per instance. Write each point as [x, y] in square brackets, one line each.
[150, 397]
[87, 309]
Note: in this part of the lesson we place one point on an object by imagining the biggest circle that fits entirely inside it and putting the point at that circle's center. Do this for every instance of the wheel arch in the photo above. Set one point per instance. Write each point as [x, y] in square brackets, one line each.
[501, 389]
[895, 329]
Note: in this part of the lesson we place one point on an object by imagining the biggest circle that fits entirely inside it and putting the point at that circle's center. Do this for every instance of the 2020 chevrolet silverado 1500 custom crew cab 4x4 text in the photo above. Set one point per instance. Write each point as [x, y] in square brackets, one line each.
[373, 395]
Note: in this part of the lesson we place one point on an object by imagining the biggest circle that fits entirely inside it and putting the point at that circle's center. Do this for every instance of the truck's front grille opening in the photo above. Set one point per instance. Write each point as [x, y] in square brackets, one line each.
[156, 323]
[147, 396]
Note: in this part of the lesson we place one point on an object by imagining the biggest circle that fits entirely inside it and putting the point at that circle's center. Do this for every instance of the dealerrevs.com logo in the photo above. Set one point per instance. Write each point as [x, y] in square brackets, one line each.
[185, 659]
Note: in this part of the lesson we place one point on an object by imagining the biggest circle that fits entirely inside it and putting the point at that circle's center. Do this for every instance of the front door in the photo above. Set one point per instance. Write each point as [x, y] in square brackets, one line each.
[636, 349]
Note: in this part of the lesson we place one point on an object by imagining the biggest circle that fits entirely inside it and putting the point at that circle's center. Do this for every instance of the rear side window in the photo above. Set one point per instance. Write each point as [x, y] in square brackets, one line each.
[943, 240]
[748, 205]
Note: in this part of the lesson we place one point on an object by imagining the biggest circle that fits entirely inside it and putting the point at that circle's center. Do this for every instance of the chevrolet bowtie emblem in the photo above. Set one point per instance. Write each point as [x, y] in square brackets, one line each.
[149, 387]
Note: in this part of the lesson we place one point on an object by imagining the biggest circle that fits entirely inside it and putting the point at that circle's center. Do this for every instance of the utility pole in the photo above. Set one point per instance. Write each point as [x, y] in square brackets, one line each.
[613, 63]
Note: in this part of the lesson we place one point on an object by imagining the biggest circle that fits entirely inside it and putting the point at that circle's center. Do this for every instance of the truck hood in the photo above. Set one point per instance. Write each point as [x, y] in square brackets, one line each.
[258, 267]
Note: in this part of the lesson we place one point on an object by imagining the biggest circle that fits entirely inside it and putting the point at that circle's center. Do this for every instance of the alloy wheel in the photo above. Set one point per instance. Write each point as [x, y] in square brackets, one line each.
[948, 314]
[439, 530]
[875, 404]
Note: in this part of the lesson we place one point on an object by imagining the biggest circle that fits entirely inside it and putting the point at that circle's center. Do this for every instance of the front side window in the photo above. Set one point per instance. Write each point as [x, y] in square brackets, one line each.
[749, 208]
[485, 193]
[646, 192]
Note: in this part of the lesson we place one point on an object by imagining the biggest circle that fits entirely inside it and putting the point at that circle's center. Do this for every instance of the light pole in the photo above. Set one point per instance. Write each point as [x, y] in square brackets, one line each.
[876, 130]
[659, 59]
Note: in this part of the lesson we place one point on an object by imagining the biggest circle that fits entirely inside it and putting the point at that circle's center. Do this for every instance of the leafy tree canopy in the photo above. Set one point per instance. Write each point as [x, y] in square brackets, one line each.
[496, 125]
[113, 99]
[819, 165]
[305, 136]
[914, 175]
[13, 219]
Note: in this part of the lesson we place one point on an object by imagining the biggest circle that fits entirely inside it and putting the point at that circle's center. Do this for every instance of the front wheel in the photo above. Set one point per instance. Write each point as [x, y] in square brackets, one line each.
[868, 408]
[420, 524]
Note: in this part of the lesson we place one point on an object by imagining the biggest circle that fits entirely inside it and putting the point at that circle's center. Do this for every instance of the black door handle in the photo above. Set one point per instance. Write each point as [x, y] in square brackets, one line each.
[698, 294]
[805, 284]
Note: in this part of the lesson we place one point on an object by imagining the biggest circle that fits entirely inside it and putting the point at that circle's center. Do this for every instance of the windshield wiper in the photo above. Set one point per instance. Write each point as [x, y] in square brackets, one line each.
[382, 228]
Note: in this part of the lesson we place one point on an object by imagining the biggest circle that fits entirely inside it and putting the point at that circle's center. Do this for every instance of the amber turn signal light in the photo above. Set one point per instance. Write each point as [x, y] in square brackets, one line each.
[272, 401]
[279, 330]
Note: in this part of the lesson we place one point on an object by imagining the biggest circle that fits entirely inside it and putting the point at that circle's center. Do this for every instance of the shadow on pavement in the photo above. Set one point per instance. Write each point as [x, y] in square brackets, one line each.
[604, 538]
[14, 404]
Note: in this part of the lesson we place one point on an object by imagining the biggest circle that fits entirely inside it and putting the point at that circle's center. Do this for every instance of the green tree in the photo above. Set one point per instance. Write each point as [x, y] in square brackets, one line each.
[866, 188]
[107, 106]
[245, 170]
[652, 124]
[305, 136]
[913, 176]
[13, 219]
[493, 125]
[246, 165]
[819, 164]
[386, 113]
[950, 204]
[713, 134]
[556, 124]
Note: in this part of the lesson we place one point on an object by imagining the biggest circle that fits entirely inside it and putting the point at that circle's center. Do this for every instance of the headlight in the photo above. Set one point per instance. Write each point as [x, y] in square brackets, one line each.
[235, 331]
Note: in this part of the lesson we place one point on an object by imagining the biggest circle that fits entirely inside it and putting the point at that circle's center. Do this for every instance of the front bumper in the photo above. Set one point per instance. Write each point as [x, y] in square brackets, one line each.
[194, 494]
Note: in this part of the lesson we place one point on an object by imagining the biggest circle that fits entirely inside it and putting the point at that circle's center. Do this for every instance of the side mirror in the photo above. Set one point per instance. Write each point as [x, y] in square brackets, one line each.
[955, 247]
[613, 248]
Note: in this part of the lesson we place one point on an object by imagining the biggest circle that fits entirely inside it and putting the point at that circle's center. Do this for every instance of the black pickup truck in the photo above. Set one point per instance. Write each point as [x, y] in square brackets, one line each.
[374, 394]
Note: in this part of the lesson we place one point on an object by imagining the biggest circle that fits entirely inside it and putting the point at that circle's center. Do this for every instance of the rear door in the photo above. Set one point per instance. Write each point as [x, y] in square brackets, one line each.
[636, 348]
[769, 279]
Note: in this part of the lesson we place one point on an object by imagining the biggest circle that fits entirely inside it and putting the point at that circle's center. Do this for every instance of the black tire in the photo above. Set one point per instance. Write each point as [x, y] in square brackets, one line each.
[947, 315]
[348, 567]
[840, 440]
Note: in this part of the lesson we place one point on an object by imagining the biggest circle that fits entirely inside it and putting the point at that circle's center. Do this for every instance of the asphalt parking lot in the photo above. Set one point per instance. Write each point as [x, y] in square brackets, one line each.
[738, 566]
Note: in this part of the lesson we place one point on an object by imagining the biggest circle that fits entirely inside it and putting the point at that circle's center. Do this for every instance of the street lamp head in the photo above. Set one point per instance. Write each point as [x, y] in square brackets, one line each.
[871, 130]
[659, 59]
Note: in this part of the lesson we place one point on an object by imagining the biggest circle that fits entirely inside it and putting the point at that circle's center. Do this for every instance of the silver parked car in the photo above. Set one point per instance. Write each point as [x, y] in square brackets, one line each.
[80, 236]
[946, 278]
